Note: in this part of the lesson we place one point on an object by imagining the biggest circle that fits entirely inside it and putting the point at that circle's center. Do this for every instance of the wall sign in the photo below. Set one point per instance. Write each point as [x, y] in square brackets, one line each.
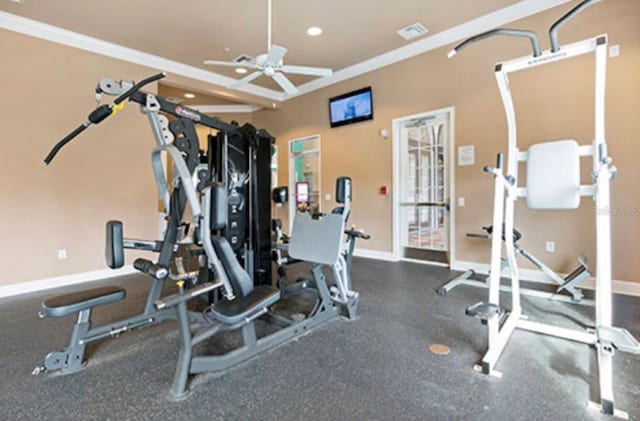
[466, 155]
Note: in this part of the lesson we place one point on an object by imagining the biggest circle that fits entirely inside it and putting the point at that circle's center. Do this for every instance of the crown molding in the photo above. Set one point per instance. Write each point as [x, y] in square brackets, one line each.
[483, 23]
[226, 109]
[465, 30]
[58, 35]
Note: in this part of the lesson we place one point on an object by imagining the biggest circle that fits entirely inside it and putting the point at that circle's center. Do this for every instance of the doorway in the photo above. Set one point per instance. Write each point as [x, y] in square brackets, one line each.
[423, 185]
[304, 175]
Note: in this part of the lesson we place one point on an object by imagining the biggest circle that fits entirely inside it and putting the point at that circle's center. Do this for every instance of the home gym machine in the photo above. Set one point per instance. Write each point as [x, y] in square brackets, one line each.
[229, 238]
[319, 240]
[246, 213]
[553, 182]
[569, 284]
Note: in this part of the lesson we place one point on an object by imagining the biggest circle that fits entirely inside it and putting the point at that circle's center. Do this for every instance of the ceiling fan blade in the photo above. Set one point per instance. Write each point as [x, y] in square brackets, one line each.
[303, 70]
[229, 64]
[275, 54]
[245, 80]
[284, 83]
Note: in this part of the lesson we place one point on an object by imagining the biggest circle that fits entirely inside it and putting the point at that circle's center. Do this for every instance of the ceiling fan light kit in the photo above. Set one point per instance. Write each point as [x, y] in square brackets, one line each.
[271, 64]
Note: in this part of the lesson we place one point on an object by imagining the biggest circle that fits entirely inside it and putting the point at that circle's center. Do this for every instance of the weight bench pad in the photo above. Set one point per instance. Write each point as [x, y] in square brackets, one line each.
[62, 305]
[232, 312]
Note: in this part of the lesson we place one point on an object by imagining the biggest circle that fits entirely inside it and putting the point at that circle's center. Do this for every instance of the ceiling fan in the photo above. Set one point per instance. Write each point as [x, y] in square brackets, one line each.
[271, 64]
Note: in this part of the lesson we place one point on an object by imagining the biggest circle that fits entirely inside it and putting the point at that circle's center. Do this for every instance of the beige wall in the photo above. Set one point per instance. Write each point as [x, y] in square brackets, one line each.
[47, 90]
[105, 174]
[553, 102]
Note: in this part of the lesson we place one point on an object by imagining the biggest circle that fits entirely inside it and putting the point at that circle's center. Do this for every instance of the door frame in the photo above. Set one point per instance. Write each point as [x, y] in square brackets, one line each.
[292, 192]
[449, 161]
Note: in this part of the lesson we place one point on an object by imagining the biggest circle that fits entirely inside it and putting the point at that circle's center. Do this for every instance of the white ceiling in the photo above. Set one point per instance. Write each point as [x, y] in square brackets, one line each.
[358, 36]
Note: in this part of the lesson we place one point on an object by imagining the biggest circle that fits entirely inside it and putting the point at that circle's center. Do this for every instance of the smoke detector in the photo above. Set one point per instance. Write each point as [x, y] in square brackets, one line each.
[412, 31]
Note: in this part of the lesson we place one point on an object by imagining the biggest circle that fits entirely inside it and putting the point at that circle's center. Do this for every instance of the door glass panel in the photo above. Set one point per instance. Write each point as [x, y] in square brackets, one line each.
[304, 158]
[423, 189]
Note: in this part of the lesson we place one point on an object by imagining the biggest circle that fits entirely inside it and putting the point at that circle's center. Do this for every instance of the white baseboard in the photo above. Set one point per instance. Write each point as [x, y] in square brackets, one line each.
[532, 275]
[374, 254]
[61, 281]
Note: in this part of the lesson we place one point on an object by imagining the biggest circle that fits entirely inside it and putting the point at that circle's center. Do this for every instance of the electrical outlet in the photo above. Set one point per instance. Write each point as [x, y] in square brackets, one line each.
[461, 202]
[62, 254]
[327, 197]
[551, 246]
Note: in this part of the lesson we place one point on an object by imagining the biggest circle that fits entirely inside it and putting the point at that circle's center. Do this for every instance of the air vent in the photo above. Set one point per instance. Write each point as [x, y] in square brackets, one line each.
[243, 59]
[412, 31]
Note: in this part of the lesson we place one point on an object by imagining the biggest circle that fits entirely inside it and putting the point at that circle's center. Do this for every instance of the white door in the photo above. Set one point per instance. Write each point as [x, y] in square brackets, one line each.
[424, 187]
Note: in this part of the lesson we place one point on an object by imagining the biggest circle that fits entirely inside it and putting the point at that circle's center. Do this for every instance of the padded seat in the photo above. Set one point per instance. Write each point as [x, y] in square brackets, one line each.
[232, 312]
[75, 302]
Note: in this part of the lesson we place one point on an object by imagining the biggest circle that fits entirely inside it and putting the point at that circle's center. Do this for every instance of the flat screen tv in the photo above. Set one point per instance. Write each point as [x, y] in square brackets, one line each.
[351, 107]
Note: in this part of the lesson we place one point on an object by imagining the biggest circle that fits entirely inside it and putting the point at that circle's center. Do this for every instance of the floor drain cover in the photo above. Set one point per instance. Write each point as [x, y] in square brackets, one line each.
[298, 317]
[439, 349]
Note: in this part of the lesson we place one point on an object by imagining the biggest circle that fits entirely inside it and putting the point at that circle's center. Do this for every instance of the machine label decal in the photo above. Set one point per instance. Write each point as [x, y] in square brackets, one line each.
[185, 112]
[547, 58]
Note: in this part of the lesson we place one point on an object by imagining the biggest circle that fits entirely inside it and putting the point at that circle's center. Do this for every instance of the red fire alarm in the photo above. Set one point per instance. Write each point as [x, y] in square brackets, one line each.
[383, 190]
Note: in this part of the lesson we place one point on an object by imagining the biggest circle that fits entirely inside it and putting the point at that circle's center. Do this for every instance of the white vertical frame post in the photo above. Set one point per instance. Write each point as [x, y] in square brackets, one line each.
[512, 174]
[603, 231]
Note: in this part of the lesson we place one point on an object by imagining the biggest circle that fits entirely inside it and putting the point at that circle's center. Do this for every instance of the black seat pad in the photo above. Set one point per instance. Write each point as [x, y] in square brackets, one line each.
[61, 305]
[231, 312]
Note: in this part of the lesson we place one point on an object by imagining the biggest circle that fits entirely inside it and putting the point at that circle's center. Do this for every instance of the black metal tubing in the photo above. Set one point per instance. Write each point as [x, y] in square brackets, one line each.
[553, 31]
[535, 43]
[68, 138]
[135, 88]
[99, 114]
[180, 111]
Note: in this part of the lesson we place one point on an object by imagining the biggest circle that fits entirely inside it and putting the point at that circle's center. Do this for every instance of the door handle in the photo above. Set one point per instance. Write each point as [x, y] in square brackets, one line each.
[427, 204]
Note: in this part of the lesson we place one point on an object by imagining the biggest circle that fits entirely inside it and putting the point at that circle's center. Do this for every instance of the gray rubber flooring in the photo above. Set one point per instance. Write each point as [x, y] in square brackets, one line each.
[375, 368]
